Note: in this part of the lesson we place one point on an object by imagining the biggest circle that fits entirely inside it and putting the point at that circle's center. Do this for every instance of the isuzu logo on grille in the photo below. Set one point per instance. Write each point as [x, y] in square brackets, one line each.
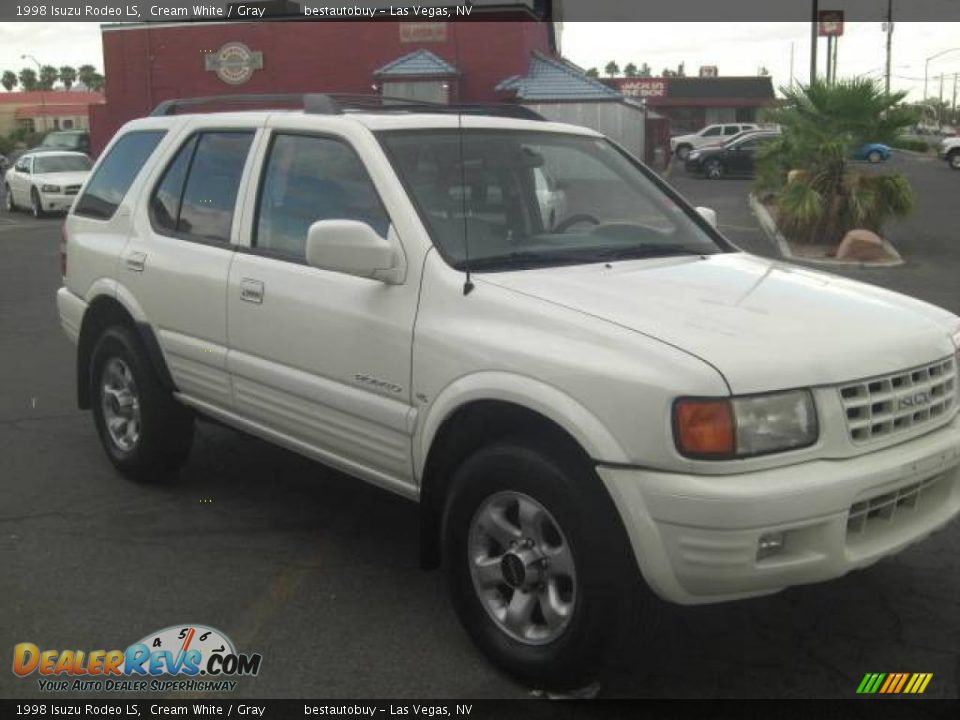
[914, 401]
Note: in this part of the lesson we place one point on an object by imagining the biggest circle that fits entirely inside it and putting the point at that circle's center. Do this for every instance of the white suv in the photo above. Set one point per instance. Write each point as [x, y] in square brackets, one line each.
[576, 401]
[682, 145]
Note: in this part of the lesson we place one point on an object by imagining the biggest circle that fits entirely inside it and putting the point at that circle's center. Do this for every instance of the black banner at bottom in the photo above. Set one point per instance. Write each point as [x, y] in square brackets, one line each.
[874, 709]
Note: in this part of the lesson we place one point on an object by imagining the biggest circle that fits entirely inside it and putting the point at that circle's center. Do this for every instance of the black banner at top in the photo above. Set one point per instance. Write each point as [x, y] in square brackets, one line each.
[117, 11]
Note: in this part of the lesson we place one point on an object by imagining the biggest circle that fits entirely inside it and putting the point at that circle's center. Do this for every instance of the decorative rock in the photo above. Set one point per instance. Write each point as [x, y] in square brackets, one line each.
[863, 246]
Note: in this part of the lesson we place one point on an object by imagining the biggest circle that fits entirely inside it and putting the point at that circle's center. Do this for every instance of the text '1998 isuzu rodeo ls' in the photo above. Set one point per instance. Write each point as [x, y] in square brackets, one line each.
[520, 326]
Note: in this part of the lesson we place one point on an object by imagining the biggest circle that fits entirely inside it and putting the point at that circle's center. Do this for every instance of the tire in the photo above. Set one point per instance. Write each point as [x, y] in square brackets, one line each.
[156, 438]
[683, 152]
[8, 199]
[713, 169]
[36, 205]
[953, 159]
[578, 531]
[875, 156]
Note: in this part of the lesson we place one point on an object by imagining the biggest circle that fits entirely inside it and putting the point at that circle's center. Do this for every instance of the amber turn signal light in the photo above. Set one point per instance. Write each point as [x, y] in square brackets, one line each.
[704, 427]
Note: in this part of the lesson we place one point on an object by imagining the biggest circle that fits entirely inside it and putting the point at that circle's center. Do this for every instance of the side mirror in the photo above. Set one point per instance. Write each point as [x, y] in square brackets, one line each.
[708, 214]
[352, 248]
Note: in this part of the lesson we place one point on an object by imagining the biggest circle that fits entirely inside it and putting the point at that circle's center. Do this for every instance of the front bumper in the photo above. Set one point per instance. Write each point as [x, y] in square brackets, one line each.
[696, 537]
[56, 202]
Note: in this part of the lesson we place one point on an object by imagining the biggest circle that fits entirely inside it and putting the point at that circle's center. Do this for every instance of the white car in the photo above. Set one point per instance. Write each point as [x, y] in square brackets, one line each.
[681, 145]
[950, 151]
[45, 181]
[622, 395]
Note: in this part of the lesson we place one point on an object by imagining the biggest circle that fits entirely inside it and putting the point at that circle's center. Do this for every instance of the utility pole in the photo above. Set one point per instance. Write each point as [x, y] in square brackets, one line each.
[940, 104]
[953, 119]
[791, 66]
[813, 42]
[889, 43]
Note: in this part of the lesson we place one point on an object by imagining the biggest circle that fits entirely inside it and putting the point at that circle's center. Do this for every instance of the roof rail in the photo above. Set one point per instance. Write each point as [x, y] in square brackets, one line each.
[337, 103]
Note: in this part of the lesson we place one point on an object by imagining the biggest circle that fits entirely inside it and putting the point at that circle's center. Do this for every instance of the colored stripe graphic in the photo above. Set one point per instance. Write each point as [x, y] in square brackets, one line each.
[894, 683]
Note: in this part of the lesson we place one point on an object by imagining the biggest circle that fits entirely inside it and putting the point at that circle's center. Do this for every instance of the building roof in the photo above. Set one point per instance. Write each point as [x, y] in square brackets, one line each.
[50, 97]
[420, 63]
[550, 78]
[49, 110]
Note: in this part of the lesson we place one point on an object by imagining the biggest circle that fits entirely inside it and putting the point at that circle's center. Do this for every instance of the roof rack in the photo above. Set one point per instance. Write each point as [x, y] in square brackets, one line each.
[337, 104]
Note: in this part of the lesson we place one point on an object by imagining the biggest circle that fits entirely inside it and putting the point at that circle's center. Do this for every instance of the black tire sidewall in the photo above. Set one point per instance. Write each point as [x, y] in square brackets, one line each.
[36, 205]
[8, 200]
[165, 426]
[571, 498]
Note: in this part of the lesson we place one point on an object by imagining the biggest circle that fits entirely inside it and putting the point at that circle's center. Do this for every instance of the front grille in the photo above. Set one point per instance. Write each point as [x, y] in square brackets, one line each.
[890, 507]
[884, 406]
[71, 189]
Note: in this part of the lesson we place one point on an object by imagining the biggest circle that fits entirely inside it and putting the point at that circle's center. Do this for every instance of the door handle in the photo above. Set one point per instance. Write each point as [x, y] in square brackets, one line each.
[251, 291]
[136, 261]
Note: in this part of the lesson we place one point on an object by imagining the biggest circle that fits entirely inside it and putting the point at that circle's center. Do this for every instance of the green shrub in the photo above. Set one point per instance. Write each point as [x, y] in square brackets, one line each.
[914, 144]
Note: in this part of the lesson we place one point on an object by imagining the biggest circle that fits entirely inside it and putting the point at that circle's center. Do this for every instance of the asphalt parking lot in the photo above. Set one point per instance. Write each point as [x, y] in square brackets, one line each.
[318, 572]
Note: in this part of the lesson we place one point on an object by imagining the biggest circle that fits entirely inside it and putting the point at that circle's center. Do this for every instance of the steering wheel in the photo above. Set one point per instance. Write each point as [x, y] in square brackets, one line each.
[569, 222]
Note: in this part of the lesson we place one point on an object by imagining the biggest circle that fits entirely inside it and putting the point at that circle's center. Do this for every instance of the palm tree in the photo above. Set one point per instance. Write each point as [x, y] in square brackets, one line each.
[28, 79]
[9, 80]
[85, 73]
[48, 77]
[612, 69]
[821, 196]
[644, 71]
[593, 72]
[96, 82]
[630, 70]
[68, 76]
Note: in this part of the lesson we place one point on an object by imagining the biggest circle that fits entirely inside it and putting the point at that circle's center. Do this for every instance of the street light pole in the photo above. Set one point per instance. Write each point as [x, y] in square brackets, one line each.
[43, 97]
[889, 43]
[813, 42]
[926, 67]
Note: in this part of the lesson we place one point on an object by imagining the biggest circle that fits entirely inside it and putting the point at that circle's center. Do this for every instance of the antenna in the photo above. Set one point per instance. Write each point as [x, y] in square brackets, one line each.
[468, 283]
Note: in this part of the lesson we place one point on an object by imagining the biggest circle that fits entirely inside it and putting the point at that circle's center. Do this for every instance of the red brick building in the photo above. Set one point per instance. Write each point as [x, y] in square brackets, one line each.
[148, 63]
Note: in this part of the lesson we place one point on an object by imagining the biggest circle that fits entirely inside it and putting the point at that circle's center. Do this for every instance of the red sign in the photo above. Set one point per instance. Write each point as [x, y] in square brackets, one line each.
[423, 32]
[830, 23]
[644, 87]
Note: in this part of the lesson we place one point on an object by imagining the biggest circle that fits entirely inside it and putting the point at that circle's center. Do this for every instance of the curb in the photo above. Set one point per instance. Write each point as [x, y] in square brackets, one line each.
[774, 235]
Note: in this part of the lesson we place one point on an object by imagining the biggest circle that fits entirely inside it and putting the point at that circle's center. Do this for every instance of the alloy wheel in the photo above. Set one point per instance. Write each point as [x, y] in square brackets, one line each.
[522, 567]
[120, 402]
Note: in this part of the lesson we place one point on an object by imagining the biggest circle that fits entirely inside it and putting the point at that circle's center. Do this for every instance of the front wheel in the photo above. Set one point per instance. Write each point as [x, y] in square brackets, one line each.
[954, 160]
[875, 156]
[36, 205]
[713, 169]
[8, 203]
[533, 561]
[145, 432]
[683, 152]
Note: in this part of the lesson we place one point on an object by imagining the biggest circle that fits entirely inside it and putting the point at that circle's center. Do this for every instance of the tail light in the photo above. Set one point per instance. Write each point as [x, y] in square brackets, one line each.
[63, 250]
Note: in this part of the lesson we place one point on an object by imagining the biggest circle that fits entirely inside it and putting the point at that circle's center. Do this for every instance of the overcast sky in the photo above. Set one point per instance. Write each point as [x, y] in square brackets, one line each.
[736, 48]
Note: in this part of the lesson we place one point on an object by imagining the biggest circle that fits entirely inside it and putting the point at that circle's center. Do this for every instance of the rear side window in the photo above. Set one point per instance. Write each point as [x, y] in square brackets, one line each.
[198, 192]
[111, 180]
[731, 130]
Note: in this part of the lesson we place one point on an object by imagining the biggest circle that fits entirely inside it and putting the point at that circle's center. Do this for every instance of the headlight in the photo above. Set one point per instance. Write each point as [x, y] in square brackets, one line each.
[50, 188]
[722, 429]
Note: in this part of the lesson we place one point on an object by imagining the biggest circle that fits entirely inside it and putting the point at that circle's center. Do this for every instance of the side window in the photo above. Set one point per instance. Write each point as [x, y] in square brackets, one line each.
[731, 129]
[165, 202]
[23, 165]
[106, 189]
[309, 179]
[198, 193]
[712, 131]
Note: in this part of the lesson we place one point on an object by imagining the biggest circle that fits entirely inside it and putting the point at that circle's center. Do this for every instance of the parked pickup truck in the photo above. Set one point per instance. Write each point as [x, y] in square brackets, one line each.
[582, 394]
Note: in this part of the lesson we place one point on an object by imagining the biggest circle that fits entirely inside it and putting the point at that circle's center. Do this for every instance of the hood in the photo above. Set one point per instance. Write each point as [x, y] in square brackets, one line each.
[763, 325]
[63, 178]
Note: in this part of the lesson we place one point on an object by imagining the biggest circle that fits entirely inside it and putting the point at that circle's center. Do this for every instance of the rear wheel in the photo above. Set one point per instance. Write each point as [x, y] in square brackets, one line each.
[36, 205]
[534, 560]
[875, 156]
[145, 432]
[713, 169]
[954, 160]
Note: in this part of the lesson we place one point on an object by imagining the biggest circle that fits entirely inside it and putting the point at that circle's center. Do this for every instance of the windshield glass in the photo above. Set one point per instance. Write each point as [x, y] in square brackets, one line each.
[537, 199]
[61, 163]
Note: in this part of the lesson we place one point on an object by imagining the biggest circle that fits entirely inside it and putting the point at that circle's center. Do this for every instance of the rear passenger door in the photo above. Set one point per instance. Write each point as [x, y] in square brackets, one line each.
[321, 357]
[177, 261]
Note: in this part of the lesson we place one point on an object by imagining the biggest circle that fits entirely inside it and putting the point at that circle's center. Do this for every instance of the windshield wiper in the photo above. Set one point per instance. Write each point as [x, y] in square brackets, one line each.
[576, 256]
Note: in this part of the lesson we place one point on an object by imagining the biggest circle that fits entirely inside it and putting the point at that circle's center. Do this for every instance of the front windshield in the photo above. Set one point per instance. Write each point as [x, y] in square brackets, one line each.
[61, 163]
[536, 199]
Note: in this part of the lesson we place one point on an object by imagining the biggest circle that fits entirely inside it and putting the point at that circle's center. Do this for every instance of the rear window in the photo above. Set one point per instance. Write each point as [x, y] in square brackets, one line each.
[61, 163]
[113, 178]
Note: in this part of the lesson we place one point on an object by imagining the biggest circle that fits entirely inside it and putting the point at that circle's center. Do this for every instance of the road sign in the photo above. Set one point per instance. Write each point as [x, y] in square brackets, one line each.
[830, 23]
